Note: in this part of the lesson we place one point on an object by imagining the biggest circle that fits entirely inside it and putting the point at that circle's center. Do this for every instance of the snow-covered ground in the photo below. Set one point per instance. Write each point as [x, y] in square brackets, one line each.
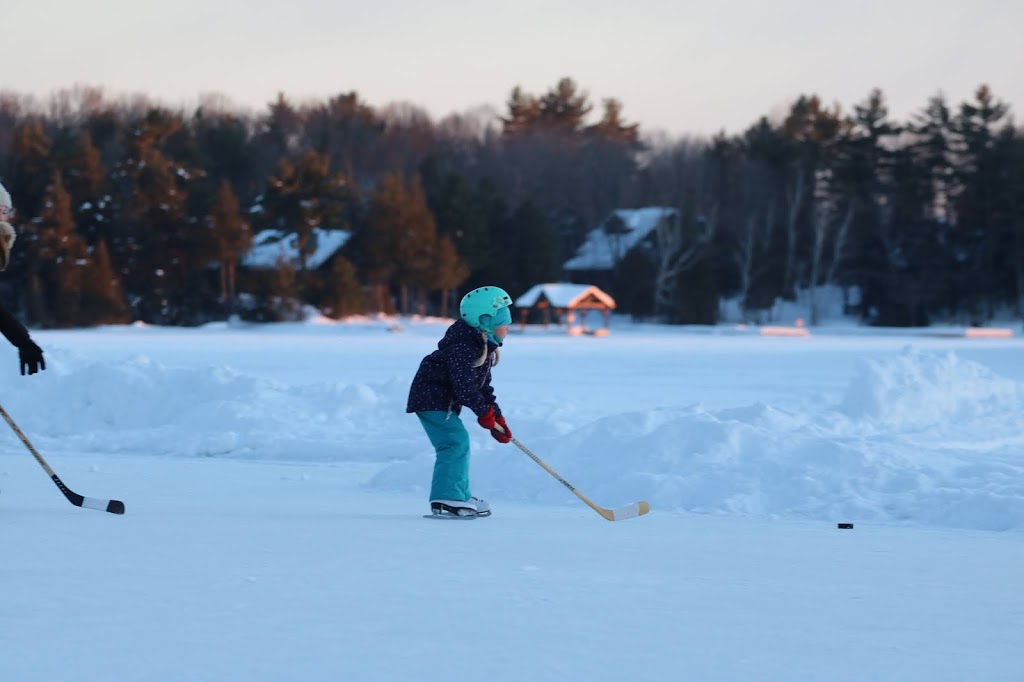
[274, 490]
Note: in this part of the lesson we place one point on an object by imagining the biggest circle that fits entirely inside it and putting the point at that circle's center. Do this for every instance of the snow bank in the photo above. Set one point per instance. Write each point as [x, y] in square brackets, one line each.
[925, 438]
[921, 390]
[917, 437]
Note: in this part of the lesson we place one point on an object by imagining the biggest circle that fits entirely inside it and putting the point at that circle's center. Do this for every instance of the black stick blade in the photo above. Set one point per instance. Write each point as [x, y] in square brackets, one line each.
[112, 506]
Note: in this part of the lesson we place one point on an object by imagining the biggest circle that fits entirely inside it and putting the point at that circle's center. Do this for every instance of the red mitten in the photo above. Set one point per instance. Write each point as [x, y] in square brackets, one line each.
[503, 436]
[489, 422]
[486, 420]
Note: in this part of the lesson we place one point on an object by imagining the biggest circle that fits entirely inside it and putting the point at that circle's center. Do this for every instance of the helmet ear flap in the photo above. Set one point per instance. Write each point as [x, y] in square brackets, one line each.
[485, 321]
[502, 317]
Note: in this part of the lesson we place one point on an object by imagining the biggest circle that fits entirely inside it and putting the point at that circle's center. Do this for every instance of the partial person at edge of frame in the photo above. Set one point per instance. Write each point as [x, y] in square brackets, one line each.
[29, 354]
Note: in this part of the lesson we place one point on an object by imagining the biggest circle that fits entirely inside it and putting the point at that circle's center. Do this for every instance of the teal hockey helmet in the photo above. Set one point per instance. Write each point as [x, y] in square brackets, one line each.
[486, 308]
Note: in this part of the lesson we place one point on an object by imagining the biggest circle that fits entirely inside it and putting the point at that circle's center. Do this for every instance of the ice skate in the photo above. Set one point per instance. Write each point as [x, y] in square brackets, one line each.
[472, 508]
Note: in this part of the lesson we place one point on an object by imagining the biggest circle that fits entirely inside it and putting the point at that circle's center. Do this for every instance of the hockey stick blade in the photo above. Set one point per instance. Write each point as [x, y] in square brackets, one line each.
[112, 506]
[630, 511]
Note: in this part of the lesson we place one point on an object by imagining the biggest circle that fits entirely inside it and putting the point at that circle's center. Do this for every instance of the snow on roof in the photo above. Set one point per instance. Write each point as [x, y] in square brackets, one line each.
[602, 250]
[271, 246]
[562, 295]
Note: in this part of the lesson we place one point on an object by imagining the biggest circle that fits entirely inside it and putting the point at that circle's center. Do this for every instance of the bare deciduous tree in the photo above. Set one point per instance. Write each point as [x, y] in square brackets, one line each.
[681, 244]
[826, 229]
[794, 202]
[753, 241]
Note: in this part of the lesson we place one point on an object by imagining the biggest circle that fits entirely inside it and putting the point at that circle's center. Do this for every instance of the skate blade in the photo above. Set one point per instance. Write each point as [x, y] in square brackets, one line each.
[459, 517]
[451, 517]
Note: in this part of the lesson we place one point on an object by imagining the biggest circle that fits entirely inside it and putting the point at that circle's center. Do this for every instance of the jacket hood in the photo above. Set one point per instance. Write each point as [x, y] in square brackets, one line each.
[460, 332]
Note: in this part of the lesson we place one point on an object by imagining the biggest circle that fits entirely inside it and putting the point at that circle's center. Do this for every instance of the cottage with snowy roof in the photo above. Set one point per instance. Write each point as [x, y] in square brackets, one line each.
[272, 291]
[569, 302]
[621, 232]
[272, 248]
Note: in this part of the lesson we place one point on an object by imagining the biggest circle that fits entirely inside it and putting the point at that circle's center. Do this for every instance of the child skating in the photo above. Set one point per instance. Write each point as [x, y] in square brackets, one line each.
[457, 375]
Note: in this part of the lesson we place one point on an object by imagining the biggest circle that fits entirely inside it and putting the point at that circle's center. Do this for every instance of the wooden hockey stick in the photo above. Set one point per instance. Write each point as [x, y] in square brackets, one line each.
[112, 506]
[630, 511]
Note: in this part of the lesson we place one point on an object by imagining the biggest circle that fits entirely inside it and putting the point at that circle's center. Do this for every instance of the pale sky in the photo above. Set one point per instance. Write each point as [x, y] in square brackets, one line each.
[678, 66]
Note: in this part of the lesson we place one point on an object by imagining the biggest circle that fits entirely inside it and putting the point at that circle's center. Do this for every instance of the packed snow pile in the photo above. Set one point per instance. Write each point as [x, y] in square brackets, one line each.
[916, 389]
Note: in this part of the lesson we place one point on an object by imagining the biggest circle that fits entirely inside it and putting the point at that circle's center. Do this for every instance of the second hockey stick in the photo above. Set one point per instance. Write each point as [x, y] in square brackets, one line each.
[112, 506]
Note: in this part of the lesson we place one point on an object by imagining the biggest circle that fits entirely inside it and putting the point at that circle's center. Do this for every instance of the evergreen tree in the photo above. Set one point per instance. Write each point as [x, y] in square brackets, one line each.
[461, 213]
[634, 284]
[348, 132]
[563, 108]
[102, 300]
[161, 251]
[233, 238]
[448, 270]
[560, 111]
[925, 188]
[699, 297]
[764, 223]
[305, 195]
[523, 112]
[1015, 217]
[574, 173]
[344, 293]
[279, 131]
[494, 215]
[399, 239]
[85, 179]
[224, 145]
[415, 252]
[863, 179]
[812, 130]
[60, 258]
[979, 233]
[898, 261]
[611, 125]
[84, 175]
[31, 154]
[529, 250]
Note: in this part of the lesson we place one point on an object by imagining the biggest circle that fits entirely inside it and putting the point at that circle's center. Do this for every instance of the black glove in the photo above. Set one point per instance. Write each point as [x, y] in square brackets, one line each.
[31, 357]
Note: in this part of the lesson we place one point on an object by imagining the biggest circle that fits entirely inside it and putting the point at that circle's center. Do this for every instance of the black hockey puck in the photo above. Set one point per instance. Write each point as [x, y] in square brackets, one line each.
[844, 525]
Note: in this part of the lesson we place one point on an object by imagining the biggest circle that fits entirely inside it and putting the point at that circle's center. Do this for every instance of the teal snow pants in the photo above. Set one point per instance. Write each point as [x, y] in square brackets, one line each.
[451, 443]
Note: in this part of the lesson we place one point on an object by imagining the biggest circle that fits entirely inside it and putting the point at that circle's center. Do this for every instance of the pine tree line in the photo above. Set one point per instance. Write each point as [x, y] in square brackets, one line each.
[129, 210]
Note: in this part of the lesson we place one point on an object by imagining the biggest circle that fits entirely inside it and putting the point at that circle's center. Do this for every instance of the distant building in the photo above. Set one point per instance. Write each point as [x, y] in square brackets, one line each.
[607, 244]
[275, 291]
[567, 303]
[272, 247]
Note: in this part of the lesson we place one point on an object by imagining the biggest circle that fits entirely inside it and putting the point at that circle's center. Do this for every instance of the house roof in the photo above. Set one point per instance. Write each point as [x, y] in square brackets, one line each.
[271, 246]
[563, 295]
[602, 250]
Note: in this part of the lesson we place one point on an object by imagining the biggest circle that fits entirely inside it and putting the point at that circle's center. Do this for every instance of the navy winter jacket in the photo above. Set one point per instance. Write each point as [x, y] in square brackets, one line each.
[447, 379]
